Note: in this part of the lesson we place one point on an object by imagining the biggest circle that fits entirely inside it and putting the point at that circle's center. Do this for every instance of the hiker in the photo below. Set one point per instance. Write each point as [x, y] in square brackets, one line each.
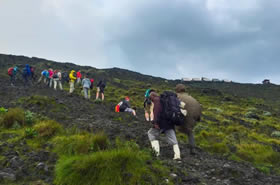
[12, 72]
[33, 76]
[57, 79]
[72, 79]
[79, 77]
[194, 109]
[124, 106]
[148, 106]
[91, 87]
[86, 86]
[50, 77]
[45, 76]
[100, 89]
[26, 74]
[162, 125]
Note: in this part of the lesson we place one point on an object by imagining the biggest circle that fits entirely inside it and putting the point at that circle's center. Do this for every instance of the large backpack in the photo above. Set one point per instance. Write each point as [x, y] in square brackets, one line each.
[171, 108]
[65, 77]
[10, 71]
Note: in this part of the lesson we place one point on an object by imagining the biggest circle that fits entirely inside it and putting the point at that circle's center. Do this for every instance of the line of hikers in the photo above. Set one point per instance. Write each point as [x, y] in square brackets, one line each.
[56, 78]
[164, 111]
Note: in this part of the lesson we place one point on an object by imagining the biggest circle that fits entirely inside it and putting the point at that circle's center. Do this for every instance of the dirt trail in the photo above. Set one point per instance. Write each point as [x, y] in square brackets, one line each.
[201, 168]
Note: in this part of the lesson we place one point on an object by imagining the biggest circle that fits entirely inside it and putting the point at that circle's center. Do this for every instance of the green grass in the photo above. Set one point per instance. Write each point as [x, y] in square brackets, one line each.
[114, 167]
[48, 128]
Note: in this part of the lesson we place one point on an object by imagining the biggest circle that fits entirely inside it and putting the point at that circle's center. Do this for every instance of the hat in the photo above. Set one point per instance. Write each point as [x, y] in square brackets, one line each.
[180, 88]
[127, 98]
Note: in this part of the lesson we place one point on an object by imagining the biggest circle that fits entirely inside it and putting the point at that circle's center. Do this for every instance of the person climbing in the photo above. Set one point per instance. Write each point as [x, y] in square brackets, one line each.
[45, 76]
[162, 125]
[26, 74]
[124, 106]
[194, 112]
[57, 79]
[79, 77]
[86, 86]
[148, 106]
[50, 77]
[91, 87]
[100, 89]
[72, 79]
[12, 72]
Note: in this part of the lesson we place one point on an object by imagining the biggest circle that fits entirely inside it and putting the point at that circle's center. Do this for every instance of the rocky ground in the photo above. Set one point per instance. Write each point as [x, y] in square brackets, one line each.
[21, 163]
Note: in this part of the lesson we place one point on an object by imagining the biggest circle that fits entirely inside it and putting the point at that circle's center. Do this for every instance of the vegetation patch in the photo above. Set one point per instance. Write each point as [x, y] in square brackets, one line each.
[15, 116]
[80, 143]
[47, 128]
[114, 167]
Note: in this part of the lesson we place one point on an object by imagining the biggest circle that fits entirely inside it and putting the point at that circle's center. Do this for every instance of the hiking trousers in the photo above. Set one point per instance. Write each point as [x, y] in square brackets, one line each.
[170, 135]
[71, 87]
[86, 93]
[13, 80]
[55, 82]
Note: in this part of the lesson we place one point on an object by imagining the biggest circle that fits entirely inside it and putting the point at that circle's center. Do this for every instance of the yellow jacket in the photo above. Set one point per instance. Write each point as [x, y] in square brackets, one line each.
[72, 77]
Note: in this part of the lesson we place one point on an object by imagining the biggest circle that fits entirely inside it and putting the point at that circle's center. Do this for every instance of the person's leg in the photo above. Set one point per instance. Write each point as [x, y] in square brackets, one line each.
[71, 87]
[85, 93]
[11, 79]
[102, 96]
[60, 85]
[152, 111]
[55, 84]
[153, 134]
[147, 116]
[51, 81]
[89, 93]
[97, 93]
[171, 139]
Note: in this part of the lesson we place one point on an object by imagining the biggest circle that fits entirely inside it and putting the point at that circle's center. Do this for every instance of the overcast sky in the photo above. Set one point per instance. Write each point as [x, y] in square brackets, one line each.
[237, 40]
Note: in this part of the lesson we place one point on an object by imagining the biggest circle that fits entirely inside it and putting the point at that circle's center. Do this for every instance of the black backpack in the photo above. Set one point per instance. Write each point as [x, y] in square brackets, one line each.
[65, 77]
[171, 108]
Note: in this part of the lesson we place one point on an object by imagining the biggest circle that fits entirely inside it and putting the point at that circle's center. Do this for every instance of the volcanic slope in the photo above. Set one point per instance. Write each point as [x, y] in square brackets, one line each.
[229, 123]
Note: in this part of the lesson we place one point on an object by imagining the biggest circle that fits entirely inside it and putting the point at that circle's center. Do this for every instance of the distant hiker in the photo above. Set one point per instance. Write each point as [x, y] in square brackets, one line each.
[57, 79]
[45, 76]
[50, 77]
[86, 86]
[65, 77]
[33, 76]
[26, 74]
[79, 77]
[148, 106]
[100, 89]
[12, 72]
[124, 106]
[72, 79]
[162, 125]
[194, 109]
[91, 87]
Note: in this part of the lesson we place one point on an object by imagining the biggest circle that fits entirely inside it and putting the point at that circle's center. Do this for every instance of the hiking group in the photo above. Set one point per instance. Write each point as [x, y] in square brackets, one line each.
[164, 111]
[54, 78]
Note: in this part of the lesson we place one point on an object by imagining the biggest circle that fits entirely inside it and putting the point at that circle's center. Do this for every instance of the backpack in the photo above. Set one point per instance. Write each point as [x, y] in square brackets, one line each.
[117, 108]
[10, 71]
[55, 75]
[65, 77]
[171, 108]
[32, 69]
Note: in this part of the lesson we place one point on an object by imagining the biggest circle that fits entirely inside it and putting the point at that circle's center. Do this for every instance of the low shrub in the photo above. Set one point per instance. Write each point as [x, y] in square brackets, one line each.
[47, 128]
[258, 154]
[15, 116]
[29, 117]
[30, 133]
[80, 143]
[3, 110]
[115, 167]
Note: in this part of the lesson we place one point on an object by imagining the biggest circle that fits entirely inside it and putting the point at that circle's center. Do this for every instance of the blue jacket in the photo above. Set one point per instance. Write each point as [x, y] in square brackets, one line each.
[27, 70]
[86, 83]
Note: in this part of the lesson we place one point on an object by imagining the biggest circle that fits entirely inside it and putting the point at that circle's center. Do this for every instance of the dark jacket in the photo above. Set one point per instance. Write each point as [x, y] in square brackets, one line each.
[125, 104]
[101, 84]
[159, 118]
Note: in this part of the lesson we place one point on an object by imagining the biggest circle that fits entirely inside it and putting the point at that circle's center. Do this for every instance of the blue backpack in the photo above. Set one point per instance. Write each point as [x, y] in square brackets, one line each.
[27, 70]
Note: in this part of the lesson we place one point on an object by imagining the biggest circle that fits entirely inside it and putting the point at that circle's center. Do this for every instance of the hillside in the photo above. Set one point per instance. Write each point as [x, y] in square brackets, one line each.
[238, 138]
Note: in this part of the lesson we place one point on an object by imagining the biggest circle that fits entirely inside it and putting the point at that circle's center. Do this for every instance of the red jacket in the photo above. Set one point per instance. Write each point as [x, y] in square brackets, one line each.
[79, 75]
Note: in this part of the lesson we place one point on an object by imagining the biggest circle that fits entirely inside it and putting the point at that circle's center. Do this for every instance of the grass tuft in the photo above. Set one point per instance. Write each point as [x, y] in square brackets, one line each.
[47, 128]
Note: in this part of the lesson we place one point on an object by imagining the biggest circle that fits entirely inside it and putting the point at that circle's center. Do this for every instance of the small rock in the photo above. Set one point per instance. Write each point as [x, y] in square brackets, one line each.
[173, 175]
[8, 176]
[213, 178]
[226, 165]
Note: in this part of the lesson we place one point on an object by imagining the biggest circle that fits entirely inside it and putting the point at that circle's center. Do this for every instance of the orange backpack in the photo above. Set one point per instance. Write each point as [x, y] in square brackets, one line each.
[117, 108]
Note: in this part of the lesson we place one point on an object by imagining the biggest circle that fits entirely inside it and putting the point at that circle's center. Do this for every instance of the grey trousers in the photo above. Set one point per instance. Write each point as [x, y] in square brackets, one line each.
[170, 135]
[86, 93]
